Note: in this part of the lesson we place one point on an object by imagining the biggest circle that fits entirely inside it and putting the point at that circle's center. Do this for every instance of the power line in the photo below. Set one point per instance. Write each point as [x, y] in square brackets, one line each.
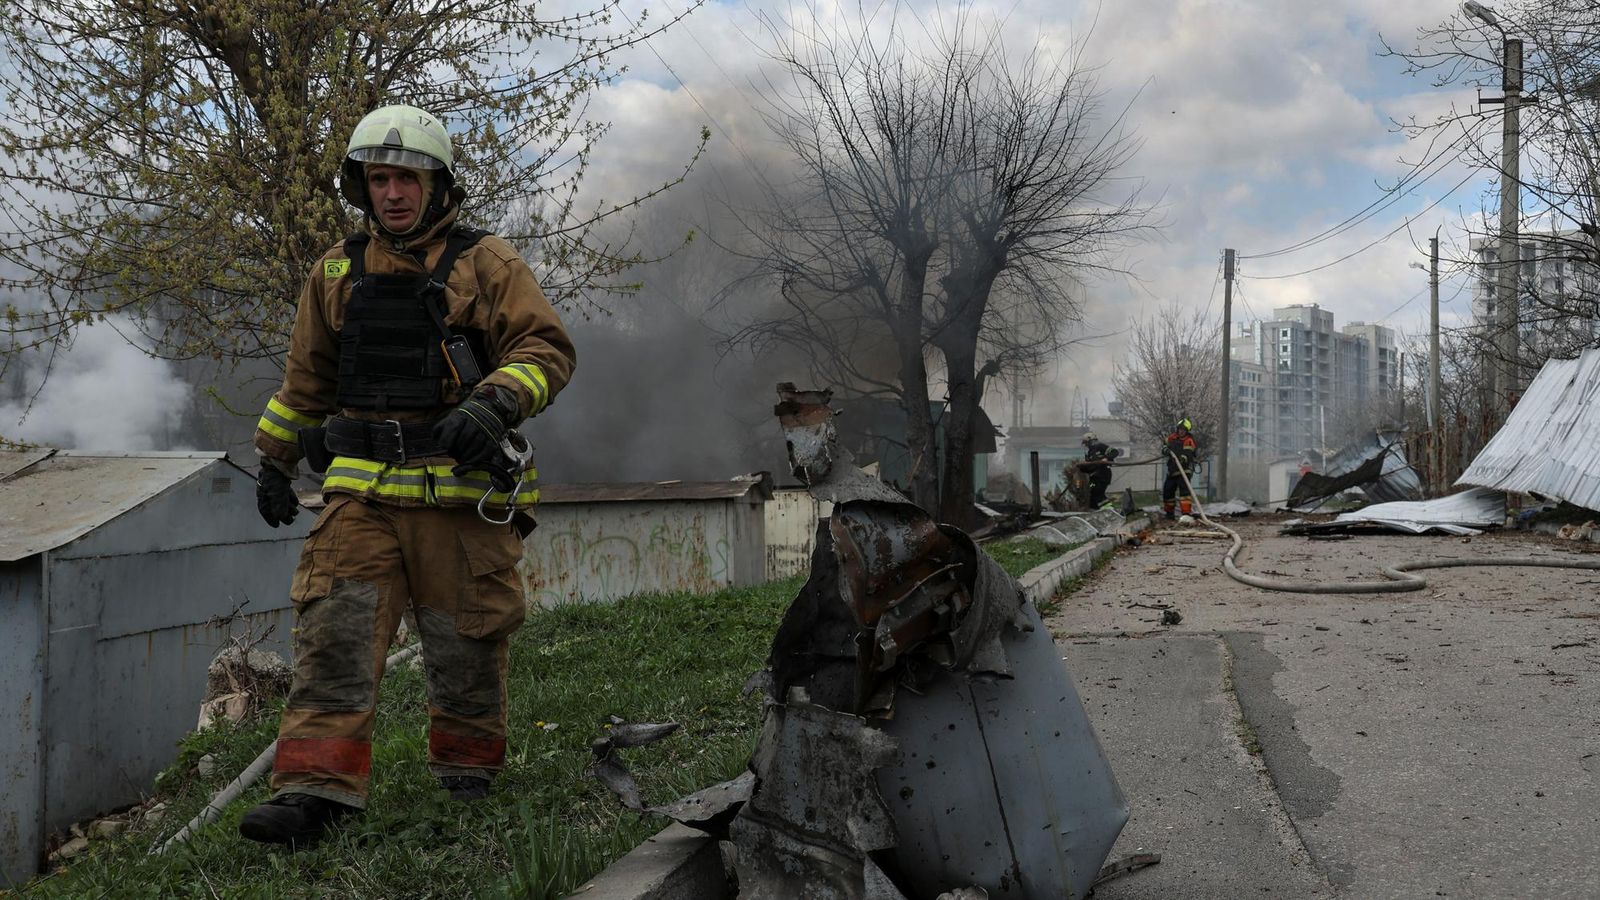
[1389, 198]
[750, 163]
[1401, 227]
[1212, 297]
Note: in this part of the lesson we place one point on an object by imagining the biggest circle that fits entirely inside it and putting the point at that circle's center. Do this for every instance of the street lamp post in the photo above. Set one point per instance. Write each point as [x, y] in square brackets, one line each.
[1505, 372]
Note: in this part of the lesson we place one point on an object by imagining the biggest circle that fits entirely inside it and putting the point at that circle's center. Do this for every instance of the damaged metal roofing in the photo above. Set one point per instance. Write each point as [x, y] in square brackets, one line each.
[1468, 512]
[1550, 444]
[1376, 463]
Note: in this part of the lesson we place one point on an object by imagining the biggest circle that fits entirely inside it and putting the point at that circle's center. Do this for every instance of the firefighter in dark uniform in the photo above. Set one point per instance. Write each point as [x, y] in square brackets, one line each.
[1096, 464]
[418, 346]
[1180, 452]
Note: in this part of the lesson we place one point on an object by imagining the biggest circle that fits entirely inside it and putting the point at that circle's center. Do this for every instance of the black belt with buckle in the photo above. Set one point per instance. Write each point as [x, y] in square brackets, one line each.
[386, 441]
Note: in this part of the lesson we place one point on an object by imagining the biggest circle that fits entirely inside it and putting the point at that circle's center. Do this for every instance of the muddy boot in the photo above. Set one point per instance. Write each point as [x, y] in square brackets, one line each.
[292, 819]
[465, 788]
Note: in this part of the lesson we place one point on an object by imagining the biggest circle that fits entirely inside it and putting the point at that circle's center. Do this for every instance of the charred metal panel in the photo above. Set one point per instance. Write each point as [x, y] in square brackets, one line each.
[922, 737]
[1002, 782]
[999, 782]
[815, 815]
[791, 521]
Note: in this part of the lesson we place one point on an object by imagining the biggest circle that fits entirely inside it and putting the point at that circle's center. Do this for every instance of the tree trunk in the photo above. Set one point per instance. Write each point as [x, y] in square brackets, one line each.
[956, 496]
[920, 437]
[967, 295]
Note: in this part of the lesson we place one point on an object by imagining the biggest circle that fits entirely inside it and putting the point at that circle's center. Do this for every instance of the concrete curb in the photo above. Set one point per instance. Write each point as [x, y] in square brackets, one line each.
[1040, 582]
[680, 863]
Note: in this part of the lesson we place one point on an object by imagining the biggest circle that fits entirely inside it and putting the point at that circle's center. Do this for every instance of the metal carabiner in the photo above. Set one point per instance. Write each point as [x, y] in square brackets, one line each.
[519, 451]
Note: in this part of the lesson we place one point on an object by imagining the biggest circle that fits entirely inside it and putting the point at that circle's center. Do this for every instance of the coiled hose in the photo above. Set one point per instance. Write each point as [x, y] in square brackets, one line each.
[1400, 576]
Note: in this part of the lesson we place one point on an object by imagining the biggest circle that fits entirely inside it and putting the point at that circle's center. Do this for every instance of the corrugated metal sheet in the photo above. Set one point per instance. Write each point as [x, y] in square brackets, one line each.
[1550, 444]
[66, 494]
[1463, 513]
[623, 491]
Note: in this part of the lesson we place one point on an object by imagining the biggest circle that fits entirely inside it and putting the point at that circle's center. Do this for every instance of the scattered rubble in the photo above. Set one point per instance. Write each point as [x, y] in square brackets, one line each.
[242, 681]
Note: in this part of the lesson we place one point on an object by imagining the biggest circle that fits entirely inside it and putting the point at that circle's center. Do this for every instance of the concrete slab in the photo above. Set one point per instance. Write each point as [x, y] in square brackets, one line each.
[678, 863]
[1198, 798]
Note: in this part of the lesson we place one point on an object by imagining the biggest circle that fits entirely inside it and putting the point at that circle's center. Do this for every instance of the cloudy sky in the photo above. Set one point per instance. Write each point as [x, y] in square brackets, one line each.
[1263, 123]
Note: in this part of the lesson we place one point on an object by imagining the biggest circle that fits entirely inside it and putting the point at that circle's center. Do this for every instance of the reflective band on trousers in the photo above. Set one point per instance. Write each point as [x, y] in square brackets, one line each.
[282, 422]
[428, 485]
[532, 378]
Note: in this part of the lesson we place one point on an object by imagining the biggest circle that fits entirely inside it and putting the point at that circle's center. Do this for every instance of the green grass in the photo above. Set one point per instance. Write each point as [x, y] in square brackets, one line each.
[1017, 557]
[545, 829]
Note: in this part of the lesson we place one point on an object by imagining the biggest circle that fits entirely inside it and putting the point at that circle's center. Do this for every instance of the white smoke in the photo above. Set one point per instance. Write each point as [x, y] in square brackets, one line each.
[99, 393]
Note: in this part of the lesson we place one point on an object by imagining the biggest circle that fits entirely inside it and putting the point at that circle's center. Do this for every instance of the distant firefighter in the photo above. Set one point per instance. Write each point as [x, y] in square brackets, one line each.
[1181, 450]
[1096, 464]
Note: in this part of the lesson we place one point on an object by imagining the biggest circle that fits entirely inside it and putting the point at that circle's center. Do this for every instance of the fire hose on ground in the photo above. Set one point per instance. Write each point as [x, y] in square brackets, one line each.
[1400, 575]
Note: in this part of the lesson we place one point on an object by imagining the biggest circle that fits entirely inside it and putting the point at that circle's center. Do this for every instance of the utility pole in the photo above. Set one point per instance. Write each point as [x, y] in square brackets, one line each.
[1434, 425]
[1227, 374]
[1505, 372]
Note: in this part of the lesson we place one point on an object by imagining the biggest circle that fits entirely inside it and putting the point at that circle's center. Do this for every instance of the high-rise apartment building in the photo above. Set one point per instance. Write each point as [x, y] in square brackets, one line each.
[1293, 372]
[1558, 286]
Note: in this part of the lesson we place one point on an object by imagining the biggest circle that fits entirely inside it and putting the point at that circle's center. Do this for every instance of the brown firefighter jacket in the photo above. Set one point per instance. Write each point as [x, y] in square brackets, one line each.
[489, 289]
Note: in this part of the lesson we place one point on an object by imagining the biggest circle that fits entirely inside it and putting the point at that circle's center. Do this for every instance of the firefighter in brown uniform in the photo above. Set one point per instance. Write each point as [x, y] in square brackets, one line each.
[418, 347]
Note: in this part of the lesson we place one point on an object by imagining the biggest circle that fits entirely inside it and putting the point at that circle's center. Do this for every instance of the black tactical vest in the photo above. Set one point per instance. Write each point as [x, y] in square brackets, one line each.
[391, 354]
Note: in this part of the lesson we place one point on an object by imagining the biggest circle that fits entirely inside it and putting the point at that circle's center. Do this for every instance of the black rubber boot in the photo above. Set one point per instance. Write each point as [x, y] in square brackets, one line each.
[292, 819]
[465, 788]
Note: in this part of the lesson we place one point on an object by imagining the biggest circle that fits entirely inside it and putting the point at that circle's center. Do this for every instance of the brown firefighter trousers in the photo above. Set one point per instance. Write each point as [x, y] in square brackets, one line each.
[362, 563]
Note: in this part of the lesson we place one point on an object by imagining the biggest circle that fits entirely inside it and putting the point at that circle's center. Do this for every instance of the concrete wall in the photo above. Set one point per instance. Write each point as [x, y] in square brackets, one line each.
[136, 609]
[606, 550]
[791, 519]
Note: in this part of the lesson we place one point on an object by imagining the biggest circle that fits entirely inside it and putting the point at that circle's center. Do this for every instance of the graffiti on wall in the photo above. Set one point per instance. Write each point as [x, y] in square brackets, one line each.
[604, 557]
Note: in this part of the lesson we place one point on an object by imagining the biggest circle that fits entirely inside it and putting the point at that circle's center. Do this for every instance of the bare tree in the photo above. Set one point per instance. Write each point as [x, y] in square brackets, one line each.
[945, 197]
[1559, 179]
[1173, 371]
[1466, 409]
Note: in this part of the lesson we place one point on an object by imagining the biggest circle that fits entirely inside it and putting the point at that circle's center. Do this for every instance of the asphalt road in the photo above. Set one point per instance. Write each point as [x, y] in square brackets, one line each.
[1442, 743]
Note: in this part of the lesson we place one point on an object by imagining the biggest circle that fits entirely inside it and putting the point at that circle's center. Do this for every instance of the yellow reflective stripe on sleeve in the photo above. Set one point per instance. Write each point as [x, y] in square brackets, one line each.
[532, 378]
[282, 422]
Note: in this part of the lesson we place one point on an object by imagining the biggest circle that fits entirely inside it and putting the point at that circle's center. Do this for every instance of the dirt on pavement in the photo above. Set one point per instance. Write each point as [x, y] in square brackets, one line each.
[1441, 742]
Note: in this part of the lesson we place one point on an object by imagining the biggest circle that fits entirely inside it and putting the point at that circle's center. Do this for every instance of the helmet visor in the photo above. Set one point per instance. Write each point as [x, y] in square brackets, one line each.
[395, 156]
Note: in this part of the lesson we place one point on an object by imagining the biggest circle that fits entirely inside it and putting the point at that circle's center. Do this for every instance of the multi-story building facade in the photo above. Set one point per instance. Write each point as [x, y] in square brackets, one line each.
[1294, 372]
[1382, 357]
[1558, 291]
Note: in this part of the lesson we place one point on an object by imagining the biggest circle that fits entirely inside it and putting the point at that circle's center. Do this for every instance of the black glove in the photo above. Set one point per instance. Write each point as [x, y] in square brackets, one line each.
[471, 431]
[275, 497]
